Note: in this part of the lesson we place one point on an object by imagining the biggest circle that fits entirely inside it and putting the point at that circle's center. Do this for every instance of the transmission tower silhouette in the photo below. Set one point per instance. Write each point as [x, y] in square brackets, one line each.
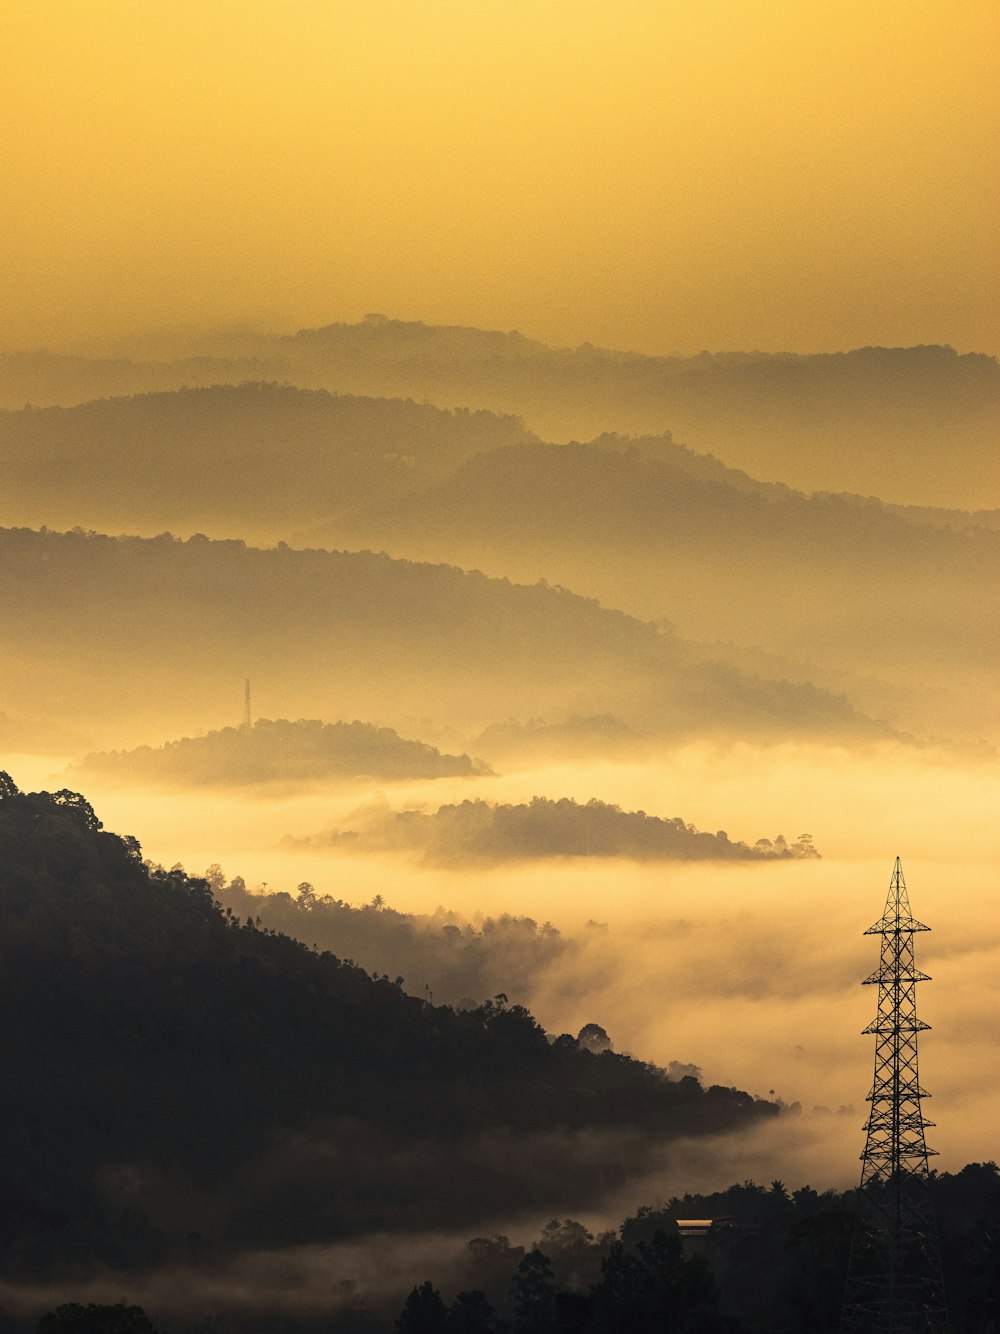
[247, 718]
[894, 1282]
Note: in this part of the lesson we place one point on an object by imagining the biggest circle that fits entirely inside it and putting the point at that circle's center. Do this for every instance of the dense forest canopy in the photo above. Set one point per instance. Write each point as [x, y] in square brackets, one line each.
[771, 1261]
[443, 953]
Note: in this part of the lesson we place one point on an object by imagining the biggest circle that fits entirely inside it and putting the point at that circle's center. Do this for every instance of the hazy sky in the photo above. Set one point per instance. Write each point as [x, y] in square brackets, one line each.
[659, 174]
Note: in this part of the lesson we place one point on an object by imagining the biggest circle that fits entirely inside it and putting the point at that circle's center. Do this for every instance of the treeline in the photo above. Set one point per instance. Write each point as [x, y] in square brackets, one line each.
[459, 962]
[279, 751]
[211, 1086]
[773, 1262]
[477, 830]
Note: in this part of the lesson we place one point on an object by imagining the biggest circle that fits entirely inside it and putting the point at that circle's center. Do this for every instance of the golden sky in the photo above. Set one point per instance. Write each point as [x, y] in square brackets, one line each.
[656, 174]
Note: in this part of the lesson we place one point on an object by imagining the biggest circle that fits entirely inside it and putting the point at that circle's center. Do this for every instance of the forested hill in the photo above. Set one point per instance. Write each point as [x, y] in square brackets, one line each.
[127, 633]
[175, 1079]
[474, 831]
[280, 751]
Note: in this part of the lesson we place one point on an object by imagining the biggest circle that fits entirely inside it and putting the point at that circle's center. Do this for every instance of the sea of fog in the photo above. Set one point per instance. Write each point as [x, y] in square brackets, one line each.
[750, 971]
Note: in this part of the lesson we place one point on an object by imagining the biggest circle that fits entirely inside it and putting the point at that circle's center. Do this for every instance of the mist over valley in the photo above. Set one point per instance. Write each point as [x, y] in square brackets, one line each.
[453, 760]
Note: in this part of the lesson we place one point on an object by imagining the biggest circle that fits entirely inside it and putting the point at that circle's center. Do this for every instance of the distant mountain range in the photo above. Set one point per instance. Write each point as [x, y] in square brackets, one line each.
[787, 585]
[914, 425]
[648, 527]
[256, 461]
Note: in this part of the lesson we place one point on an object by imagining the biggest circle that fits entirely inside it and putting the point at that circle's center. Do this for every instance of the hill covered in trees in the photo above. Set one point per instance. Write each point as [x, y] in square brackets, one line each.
[873, 417]
[211, 1086]
[279, 751]
[482, 831]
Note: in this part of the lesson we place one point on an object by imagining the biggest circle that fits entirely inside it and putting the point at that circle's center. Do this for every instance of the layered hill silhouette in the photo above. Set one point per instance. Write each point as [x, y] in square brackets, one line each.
[872, 419]
[649, 527]
[177, 1080]
[644, 524]
[125, 635]
[878, 420]
[279, 751]
[475, 830]
[251, 461]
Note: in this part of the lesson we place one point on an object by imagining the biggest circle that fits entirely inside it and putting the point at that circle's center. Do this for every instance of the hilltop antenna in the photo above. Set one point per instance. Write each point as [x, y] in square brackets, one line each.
[247, 719]
[894, 1280]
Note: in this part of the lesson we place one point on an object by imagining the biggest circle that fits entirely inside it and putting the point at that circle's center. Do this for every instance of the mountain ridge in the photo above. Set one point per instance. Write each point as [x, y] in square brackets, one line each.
[873, 419]
[108, 623]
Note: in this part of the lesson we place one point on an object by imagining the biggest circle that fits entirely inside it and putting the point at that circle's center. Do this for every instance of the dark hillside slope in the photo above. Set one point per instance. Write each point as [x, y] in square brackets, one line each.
[174, 1079]
[136, 634]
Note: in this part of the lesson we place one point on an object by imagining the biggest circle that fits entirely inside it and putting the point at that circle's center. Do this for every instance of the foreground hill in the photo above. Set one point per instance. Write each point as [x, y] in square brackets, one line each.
[915, 425]
[282, 752]
[126, 635]
[216, 1086]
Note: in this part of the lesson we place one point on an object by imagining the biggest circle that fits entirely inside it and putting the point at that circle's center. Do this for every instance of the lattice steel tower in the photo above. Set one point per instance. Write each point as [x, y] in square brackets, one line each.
[894, 1283]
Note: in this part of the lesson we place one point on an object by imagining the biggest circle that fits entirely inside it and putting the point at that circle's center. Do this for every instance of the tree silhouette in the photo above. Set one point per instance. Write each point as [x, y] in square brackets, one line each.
[423, 1312]
[533, 1291]
[471, 1313]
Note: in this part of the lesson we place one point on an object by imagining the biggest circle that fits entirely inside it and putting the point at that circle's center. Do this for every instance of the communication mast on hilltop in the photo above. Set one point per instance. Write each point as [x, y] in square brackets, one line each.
[247, 719]
[894, 1281]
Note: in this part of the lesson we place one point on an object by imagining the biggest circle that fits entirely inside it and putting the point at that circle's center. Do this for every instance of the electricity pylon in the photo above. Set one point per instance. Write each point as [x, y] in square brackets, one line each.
[894, 1281]
[247, 718]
